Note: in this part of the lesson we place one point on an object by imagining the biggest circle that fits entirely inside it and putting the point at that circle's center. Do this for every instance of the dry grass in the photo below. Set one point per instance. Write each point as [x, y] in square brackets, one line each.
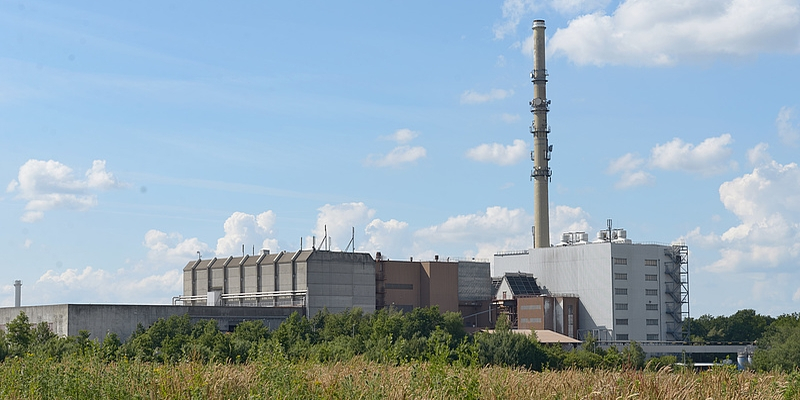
[360, 379]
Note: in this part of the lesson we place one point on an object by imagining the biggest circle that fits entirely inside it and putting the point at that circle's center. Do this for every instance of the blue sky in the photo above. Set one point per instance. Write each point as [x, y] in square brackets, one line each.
[133, 136]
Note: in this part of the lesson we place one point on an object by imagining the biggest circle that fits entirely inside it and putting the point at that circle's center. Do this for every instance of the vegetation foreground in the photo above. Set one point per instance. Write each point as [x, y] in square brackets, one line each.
[386, 354]
[274, 377]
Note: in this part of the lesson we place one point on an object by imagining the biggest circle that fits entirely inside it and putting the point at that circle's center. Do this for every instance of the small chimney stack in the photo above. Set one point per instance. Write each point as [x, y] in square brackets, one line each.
[17, 293]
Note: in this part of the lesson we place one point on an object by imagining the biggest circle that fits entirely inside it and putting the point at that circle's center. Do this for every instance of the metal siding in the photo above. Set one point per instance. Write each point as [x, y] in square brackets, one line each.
[584, 270]
[474, 281]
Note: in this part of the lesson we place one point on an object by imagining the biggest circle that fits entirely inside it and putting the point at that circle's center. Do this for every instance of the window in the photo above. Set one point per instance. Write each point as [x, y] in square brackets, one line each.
[622, 321]
[621, 306]
[531, 307]
[651, 292]
[620, 261]
[622, 336]
[650, 263]
[652, 307]
[651, 277]
[621, 277]
[621, 291]
[401, 286]
[652, 336]
[652, 321]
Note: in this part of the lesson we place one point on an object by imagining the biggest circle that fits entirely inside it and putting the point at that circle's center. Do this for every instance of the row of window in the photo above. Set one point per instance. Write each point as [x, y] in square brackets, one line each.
[624, 336]
[624, 292]
[621, 276]
[624, 306]
[649, 321]
[624, 261]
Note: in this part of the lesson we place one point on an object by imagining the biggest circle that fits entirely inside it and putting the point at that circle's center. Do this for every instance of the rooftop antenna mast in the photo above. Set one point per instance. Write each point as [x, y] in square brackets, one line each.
[352, 241]
[540, 156]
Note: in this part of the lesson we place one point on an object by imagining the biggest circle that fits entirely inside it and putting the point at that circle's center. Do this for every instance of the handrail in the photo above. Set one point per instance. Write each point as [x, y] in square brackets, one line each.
[250, 295]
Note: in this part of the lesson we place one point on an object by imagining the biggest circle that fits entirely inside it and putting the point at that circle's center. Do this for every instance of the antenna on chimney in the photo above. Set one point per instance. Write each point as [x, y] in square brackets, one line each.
[541, 173]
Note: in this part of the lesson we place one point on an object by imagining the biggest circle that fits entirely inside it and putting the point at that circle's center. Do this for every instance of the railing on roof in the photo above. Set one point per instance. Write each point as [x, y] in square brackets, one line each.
[511, 253]
[285, 298]
[468, 259]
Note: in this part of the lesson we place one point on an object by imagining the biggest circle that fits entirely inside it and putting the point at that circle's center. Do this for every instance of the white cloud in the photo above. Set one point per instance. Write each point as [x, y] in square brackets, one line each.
[710, 157]
[496, 153]
[398, 156]
[473, 97]
[758, 155]
[575, 6]
[248, 230]
[92, 285]
[498, 228]
[403, 154]
[567, 219]
[666, 32]
[172, 248]
[385, 236]
[767, 204]
[339, 220]
[788, 128]
[629, 167]
[627, 162]
[631, 179]
[49, 185]
[513, 11]
[402, 136]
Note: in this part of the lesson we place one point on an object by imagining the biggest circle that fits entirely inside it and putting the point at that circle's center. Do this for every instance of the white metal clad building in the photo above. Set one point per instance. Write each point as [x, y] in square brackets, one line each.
[627, 291]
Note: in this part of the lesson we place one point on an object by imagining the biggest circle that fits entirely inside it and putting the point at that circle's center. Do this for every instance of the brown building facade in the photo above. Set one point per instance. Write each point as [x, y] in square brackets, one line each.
[458, 286]
[555, 313]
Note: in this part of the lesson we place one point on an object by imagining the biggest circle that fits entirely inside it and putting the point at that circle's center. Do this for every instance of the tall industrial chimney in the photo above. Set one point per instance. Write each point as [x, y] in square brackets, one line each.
[17, 293]
[541, 149]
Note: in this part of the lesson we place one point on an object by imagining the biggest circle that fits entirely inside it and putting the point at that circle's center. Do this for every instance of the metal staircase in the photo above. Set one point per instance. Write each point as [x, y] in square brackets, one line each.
[677, 291]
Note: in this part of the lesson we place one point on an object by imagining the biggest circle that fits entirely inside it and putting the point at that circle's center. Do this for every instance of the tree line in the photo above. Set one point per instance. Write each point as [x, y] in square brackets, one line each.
[385, 336]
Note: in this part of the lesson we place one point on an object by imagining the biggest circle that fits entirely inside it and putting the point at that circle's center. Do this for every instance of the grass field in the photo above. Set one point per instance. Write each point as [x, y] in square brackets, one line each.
[91, 378]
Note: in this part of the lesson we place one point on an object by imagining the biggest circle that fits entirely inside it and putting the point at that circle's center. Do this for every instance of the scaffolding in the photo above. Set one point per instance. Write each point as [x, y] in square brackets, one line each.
[677, 290]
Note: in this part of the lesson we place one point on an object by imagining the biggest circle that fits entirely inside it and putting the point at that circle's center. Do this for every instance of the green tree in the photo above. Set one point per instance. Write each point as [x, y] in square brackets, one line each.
[245, 337]
[3, 345]
[633, 355]
[779, 348]
[453, 323]
[421, 322]
[506, 348]
[746, 326]
[42, 334]
[295, 336]
[503, 323]
[20, 335]
[110, 346]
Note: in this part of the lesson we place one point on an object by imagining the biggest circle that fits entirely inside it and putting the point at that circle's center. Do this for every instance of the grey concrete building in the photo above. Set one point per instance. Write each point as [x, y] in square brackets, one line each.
[122, 319]
[312, 279]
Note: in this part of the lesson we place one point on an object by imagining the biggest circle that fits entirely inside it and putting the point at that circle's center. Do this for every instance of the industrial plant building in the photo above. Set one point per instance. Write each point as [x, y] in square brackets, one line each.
[308, 279]
[627, 291]
[314, 279]
[616, 289]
